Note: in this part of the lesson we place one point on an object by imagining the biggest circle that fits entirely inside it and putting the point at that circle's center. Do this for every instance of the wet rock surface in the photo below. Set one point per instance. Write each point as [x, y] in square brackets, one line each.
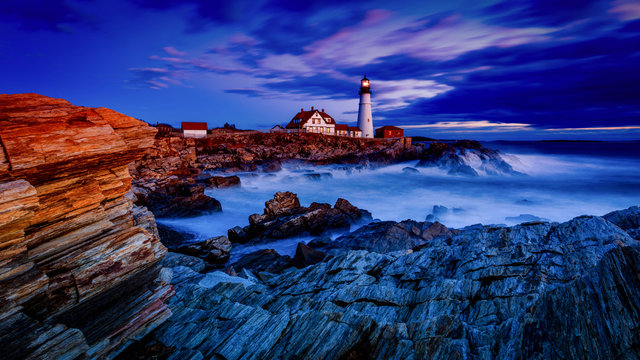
[627, 219]
[536, 290]
[457, 158]
[176, 198]
[283, 217]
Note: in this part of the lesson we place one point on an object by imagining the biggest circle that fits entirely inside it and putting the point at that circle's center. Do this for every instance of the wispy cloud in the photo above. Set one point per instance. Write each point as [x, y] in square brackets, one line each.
[471, 126]
[626, 10]
[601, 128]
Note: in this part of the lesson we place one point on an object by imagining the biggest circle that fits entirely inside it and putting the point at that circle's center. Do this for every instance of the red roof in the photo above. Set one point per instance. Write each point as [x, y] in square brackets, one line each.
[354, 128]
[186, 125]
[344, 127]
[389, 127]
[304, 116]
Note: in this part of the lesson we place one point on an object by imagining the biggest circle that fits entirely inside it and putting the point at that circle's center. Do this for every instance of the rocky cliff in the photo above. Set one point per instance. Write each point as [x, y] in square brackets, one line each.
[78, 273]
[416, 290]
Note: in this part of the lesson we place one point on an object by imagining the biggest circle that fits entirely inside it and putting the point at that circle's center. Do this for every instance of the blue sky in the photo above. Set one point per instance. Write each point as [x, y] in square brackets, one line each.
[449, 69]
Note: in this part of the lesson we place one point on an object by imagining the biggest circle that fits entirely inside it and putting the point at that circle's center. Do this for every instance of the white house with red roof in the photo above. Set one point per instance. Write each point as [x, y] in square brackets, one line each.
[194, 129]
[312, 121]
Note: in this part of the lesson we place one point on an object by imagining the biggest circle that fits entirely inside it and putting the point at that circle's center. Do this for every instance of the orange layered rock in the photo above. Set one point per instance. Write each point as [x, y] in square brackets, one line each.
[68, 237]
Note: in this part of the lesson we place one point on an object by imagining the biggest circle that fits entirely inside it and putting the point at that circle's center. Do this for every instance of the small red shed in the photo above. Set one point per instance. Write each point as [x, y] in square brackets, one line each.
[388, 131]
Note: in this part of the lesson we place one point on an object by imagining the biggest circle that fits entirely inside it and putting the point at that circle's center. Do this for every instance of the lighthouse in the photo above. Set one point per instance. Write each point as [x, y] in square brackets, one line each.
[365, 120]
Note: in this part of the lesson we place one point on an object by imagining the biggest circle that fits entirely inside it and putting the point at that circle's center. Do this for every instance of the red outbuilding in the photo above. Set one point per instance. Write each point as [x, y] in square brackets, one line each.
[389, 131]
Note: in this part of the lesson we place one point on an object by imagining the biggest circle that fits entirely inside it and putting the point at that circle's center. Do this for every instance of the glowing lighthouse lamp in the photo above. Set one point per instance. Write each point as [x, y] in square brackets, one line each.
[365, 120]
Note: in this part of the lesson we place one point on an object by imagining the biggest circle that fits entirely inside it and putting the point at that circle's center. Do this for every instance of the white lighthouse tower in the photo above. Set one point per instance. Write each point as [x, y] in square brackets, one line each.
[365, 120]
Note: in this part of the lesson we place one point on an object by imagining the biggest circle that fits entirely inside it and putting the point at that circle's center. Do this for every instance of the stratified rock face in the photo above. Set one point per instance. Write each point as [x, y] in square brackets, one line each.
[76, 272]
[532, 291]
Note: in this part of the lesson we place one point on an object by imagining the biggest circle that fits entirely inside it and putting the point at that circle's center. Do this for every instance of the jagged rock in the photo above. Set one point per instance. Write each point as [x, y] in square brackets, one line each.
[284, 217]
[272, 166]
[387, 236]
[173, 238]
[628, 220]
[282, 204]
[457, 157]
[222, 181]
[536, 290]
[306, 256]
[177, 199]
[79, 274]
[237, 235]
[214, 250]
[263, 260]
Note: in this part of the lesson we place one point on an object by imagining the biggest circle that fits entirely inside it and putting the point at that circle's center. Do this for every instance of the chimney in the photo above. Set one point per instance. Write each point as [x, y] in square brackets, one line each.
[312, 108]
[301, 109]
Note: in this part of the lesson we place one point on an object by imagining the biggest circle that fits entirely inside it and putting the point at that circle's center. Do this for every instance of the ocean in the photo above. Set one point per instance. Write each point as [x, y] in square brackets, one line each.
[562, 180]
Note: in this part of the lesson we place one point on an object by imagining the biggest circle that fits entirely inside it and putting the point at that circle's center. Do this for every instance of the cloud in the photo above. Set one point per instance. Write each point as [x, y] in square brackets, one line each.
[174, 52]
[370, 41]
[158, 78]
[602, 128]
[626, 10]
[471, 126]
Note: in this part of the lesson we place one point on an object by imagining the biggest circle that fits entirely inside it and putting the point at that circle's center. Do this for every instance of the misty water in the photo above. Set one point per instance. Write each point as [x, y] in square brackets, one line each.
[561, 182]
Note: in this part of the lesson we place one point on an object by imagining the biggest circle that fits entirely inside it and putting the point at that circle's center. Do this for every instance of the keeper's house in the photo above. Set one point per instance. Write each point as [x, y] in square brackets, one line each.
[312, 121]
[194, 129]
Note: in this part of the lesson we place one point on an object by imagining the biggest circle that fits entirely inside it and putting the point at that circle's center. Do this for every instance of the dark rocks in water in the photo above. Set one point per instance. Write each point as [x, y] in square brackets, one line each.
[410, 170]
[272, 166]
[177, 199]
[283, 217]
[439, 210]
[452, 156]
[214, 250]
[173, 238]
[237, 235]
[524, 202]
[462, 169]
[318, 176]
[283, 204]
[484, 293]
[222, 181]
[263, 260]
[524, 218]
[306, 256]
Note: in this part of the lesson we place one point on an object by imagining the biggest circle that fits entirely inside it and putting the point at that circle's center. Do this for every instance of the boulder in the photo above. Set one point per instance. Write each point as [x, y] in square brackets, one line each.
[387, 236]
[282, 204]
[222, 181]
[284, 217]
[214, 250]
[177, 199]
[306, 256]
[272, 166]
